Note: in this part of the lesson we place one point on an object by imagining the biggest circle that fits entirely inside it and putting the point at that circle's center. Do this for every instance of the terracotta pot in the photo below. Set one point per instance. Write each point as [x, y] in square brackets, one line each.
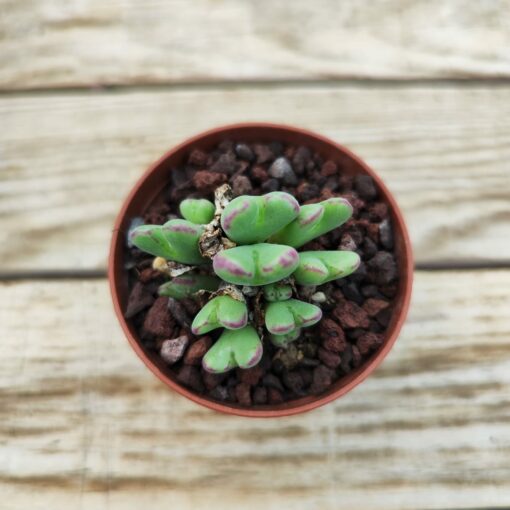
[156, 178]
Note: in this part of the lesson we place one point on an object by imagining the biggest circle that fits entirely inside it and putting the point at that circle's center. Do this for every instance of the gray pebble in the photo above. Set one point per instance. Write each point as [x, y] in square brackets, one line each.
[281, 169]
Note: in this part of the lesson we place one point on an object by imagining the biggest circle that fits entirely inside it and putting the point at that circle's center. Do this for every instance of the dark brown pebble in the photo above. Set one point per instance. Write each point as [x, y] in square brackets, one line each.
[368, 342]
[243, 394]
[213, 380]
[373, 306]
[301, 158]
[259, 173]
[322, 379]
[263, 153]
[271, 381]
[260, 395]
[351, 291]
[274, 396]
[350, 315]
[158, 321]
[330, 359]
[220, 393]
[197, 158]
[243, 151]
[139, 299]
[329, 168]
[384, 317]
[241, 185]
[189, 375]
[365, 187]
[270, 185]
[333, 336]
[208, 181]
[293, 381]
[197, 351]
[226, 164]
[370, 290]
[250, 376]
[382, 268]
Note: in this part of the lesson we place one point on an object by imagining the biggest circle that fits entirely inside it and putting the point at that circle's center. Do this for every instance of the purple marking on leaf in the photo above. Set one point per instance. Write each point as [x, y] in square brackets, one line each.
[312, 217]
[236, 324]
[229, 218]
[196, 330]
[184, 281]
[280, 330]
[289, 258]
[292, 201]
[256, 357]
[341, 200]
[314, 318]
[313, 269]
[220, 262]
[208, 368]
[183, 229]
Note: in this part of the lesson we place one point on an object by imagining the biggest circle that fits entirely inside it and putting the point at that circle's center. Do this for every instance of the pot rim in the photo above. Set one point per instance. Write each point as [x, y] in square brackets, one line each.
[294, 406]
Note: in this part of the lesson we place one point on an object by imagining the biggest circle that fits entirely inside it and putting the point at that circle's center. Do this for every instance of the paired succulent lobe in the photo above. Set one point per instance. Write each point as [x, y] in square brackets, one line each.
[255, 264]
[221, 311]
[285, 339]
[185, 286]
[318, 267]
[313, 221]
[176, 240]
[235, 348]
[253, 219]
[197, 210]
[283, 317]
[277, 292]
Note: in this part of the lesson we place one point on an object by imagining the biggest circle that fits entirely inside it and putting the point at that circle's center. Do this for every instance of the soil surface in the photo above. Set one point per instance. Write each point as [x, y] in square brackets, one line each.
[357, 309]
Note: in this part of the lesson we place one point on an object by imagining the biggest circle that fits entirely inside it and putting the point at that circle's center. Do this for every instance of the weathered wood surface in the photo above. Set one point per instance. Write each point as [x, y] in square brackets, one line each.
[74, 43]
[67, 161]
[85, 425]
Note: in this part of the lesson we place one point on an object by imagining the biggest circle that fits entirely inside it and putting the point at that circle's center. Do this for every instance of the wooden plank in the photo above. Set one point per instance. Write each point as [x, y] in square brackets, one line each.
[68, 161]
[84, 424]
[44, 45]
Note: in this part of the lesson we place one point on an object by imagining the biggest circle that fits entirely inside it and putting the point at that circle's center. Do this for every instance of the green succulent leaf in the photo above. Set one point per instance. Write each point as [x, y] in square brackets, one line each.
[313, 221]
[283, 317]
[256, 264]
[235, 348]
[277, 292]
[220, 311]
[285, 339]
[253, 219]
[197, 210]
[188, 284]
[318, 267]
[150, 239]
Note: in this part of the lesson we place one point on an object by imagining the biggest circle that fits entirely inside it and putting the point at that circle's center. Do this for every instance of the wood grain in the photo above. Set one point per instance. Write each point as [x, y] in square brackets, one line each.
[44, 44]
[84, 424]
[66, 162]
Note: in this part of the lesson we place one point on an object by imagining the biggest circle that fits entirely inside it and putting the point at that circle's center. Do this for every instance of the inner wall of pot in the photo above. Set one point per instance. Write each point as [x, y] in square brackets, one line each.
[152, 187]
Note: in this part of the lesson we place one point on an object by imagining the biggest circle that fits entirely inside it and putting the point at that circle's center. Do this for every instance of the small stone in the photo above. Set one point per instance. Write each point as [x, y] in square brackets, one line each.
[390, 290]
[226, 164]
[212, 380]
[373, 232]
[190, 376]
[384, 317]
[260, 395]
[301, 158]
[243, 151]
[251, 376]
[322, 379]
[271, 381]
[306, 191]
[158, 321]
[276, 148]
[306, 376]
[197, 158]
[148, 275]
[377, 211]
[319, 297]
[173, 349]
[386, 235]
[356, 357]
[241, 185]
[350, 315]
[369, 248]
[331, 184]
[368, 342]
[259, 173]
[139, 299]
[347, 243]
[382, 268]
[281, 169]
[243, 396]
[330, 359]
[178, 178]
[329, 168]
[220, 393]
[178, 312]
[365, 187]
[373, 306]
[263, 153]
[293, 381]
[369, 291]
[197, 351]
[333, 336]
[274, 396]
[271, 185]
[351, 291]
[207, 181]
[347, 357]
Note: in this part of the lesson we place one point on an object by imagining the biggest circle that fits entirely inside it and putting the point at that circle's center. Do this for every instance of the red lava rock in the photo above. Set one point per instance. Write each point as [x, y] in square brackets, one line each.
[333, 337]
[263, 153]
[329, 168]
[373, 232]
[243, 396]
[365, 187]
[274, 396]
[197, 351]
[382, 268]
[241, 185]
[301, 158]
[260, 395]
[139, 298]
[356, 357]
[259, 173]
[208, 181]
[189, 376]
[293, 381]
[377, 211]
[322, 379]
[157, 215]
[350, 315]
[368, 342]
[213, 380]
[198, 157]
[173, 349]
[373, 306]
[347, 243]
[330, 359]
[158, 321]
[251, 376]
[148, 274]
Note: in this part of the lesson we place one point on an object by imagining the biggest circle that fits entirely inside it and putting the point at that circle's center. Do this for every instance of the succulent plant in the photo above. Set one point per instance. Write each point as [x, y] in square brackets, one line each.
[250, 287]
